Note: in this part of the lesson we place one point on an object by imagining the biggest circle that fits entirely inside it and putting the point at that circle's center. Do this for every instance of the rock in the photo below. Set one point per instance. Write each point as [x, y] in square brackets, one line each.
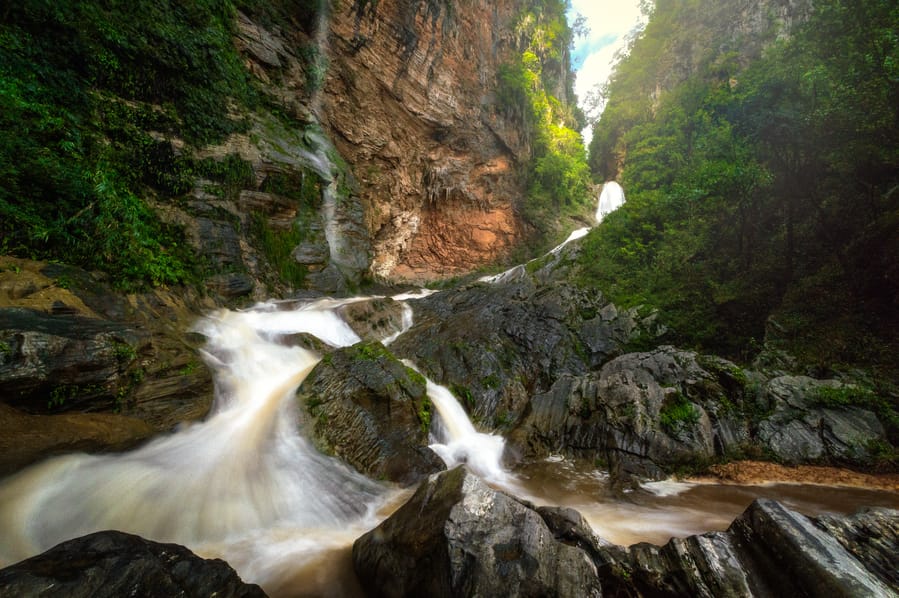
[113, 564]
[496, 345]
[231, 285]
[376, 319]
[768, 551]
[872, 536]
[28, 438]
[62, 361]
[370, 410]
[801, 427]
[437, 159]
[644, 413]
[458, 537]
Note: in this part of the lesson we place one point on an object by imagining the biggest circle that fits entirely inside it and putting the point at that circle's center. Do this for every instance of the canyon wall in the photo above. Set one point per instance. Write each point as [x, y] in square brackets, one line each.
[409, 103]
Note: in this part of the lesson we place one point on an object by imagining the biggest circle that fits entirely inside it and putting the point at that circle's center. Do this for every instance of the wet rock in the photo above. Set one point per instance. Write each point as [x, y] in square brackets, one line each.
[802, 428]
[62, 361]
[376, 319]
[768, 551]
[231, 285]
[872, 536]
[367, 408]
[644, 413]
[496, 345]
[458, 537]
[113, 564]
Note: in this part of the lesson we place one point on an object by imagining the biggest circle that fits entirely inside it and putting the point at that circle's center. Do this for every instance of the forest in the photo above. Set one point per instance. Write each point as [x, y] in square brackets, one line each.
[762, 190]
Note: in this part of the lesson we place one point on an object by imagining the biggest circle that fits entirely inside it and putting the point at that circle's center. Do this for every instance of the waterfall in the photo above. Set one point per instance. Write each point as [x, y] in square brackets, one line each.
[244, 476]
[611, 198]
[457, 441]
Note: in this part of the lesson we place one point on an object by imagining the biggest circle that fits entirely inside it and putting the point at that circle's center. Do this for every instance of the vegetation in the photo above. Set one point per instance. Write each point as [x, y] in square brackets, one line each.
[763, 189]
[537, 90]
[81, 83]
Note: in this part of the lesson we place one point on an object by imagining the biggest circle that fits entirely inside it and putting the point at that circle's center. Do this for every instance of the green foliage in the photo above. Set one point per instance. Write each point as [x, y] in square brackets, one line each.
[424, 415]
[278, 246]
[535, 89]
[463, 393]
[677, 412]
[763, 183]
[81, 84]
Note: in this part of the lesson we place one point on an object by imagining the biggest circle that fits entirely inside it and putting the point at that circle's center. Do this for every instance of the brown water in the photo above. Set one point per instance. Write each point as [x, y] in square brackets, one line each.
[662, 510]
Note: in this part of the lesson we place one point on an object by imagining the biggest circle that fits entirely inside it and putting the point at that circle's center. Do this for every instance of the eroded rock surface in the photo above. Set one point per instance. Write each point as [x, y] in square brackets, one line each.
[367, 408]
[457, 537]
[112, 564]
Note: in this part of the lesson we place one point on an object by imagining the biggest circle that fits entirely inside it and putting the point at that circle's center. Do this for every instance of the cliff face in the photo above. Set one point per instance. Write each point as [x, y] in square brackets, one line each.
[408, 102]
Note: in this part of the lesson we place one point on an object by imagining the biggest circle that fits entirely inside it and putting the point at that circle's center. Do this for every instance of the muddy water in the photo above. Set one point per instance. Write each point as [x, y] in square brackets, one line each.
[659, 511]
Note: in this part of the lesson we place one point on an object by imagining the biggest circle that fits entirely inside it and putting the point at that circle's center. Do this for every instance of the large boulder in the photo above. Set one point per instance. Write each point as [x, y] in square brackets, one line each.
[768, 551]
[113, 564]
[366, 407]
[802, 425]
[458, 537]
[644, 413]
[496, 345]
[62, 360]
[651, 413]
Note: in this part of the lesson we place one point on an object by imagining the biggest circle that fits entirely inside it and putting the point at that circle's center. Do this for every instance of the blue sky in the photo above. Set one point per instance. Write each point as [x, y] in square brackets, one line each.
[609, 21]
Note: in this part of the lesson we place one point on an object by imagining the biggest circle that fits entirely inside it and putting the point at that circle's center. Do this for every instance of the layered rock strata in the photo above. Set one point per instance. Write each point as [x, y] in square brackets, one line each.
[409, 102]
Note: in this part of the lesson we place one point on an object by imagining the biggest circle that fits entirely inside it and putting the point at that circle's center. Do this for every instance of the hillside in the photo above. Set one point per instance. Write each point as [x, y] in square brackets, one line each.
[760, 157]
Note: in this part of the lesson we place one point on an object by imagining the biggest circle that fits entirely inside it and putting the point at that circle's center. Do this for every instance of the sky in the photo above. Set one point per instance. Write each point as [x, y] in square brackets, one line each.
[609, 21]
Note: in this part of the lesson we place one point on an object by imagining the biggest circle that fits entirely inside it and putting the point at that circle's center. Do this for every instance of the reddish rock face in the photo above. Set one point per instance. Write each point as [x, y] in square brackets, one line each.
[409, 103]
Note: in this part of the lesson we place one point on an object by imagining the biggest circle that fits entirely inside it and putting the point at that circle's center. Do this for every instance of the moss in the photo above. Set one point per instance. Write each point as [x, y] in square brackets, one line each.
[278, 246]
[464, 394]
[676, 412]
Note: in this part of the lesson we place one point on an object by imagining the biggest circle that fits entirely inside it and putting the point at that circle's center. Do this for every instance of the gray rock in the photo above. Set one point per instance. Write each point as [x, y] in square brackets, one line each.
[800, 428]
[62, 361]
[370, 410]
[768, 551]
[113, 564]
[458, 537]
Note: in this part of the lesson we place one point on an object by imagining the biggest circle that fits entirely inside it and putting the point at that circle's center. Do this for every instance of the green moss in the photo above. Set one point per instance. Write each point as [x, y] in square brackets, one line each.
[676, 412]
[278, 246]
[464, 394]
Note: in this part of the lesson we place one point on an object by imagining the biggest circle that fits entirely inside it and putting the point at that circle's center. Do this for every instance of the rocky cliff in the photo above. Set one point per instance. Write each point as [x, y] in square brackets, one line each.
[409, 100]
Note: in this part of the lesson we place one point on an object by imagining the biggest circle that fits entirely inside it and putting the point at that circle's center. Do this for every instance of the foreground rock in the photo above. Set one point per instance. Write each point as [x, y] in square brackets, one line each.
[458, 537]
[370, 410]
[113, 564]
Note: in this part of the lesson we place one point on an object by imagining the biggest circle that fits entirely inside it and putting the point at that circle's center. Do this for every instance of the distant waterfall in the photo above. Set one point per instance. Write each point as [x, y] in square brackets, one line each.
[611, 198]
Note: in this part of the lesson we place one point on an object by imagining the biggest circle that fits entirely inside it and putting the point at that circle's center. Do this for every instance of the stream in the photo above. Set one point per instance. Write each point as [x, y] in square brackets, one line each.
[246, 485]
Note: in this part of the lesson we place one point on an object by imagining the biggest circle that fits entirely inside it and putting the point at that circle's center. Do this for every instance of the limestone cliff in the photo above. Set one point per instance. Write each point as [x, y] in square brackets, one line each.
[409, 103]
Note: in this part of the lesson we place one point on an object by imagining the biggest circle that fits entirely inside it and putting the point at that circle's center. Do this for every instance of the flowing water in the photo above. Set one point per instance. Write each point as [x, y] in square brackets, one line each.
[610, 199]
[247, 486]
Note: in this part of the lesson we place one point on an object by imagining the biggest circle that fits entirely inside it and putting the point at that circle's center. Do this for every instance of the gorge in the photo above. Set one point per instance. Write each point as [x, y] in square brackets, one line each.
[215, 218]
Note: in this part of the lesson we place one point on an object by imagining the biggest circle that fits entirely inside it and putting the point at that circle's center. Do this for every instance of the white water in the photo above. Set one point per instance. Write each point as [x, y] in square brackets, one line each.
[244, 477]
[610, 199]
[457, 441]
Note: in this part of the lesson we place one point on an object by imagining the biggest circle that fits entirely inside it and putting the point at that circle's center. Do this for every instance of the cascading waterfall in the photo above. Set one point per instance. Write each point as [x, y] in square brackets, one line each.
[610, 199]
[245, 475]
[244, 484]
[457, 441]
